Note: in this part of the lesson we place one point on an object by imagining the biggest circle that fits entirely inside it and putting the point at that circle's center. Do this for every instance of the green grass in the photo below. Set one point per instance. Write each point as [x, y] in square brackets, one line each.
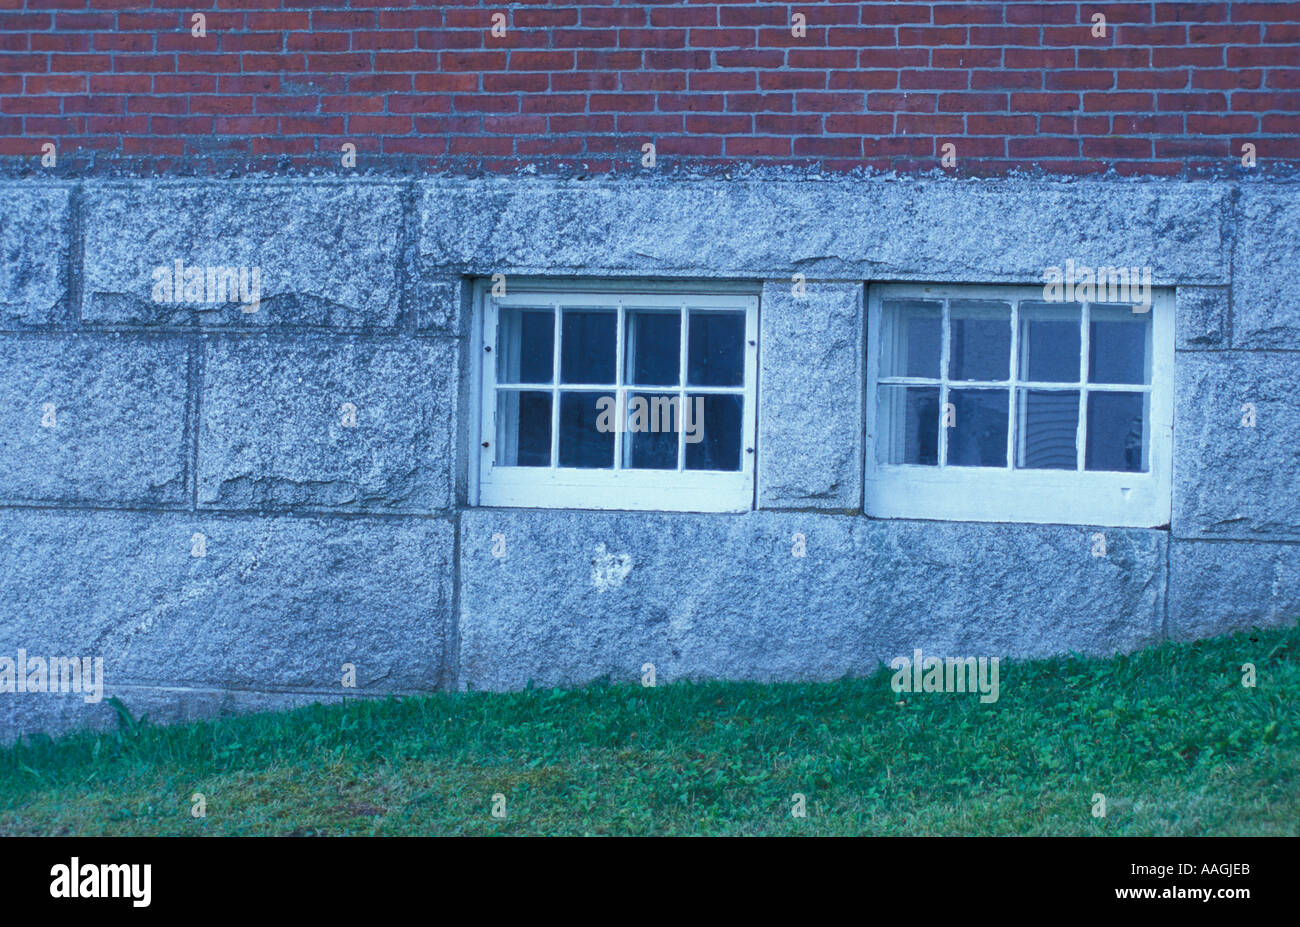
[1169, 735]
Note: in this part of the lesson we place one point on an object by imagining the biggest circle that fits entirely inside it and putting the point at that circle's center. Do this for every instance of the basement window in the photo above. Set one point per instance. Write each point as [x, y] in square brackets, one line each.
[617, 399]
[992, 403]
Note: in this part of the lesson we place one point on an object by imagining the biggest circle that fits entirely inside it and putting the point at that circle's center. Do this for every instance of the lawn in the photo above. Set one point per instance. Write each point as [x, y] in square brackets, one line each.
[1168, 735]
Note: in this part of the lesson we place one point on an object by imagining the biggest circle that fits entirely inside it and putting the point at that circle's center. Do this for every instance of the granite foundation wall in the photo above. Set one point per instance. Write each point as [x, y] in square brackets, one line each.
[240, 505]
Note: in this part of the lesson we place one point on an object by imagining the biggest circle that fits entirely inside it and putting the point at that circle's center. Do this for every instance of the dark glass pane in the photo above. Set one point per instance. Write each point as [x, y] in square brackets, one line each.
[588, 345]
[712, 429]
[587, 426]
[979, 346]
[523, 428]
[1118, 345]
[716, 354]
[977, 436]
[1050, 343]
[650, 442]
[525, 345]
[911, 336]
[653, 347]
[1049, 430]
[908, 422]
[1115, 432]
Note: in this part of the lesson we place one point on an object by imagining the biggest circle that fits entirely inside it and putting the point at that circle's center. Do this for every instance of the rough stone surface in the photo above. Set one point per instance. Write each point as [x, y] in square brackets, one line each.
[1221, 586]
[364, 297]
[34, 246]
[810, 417]
[273, 430]
[582, 595]
[275, 603]
[1230, 480]
[1266, 287]
[1201, 318]
[62, 713]
[981, 231]
[329, 253]
[97, 420]
[439, 304]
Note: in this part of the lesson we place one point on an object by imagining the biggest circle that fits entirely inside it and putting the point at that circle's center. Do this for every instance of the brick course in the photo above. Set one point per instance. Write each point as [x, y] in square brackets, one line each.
[1172, 88]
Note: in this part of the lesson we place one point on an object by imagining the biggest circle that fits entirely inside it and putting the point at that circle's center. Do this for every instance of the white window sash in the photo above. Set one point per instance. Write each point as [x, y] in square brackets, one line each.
[645, 490]
[1007, 494]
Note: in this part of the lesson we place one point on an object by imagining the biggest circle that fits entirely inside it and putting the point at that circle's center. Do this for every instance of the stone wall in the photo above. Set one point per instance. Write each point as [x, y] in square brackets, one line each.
[184, 491]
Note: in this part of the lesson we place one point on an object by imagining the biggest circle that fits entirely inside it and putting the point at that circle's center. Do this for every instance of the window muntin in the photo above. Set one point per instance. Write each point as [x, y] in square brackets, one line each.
[618, 400]
[990, 403]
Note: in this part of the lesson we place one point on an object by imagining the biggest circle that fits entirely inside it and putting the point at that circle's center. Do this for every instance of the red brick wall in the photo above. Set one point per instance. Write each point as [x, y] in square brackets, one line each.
[1172, 88]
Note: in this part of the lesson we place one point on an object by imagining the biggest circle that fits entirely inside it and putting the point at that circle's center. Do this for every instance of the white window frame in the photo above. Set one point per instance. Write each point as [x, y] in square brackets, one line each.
[581, 488]
[1004, 494]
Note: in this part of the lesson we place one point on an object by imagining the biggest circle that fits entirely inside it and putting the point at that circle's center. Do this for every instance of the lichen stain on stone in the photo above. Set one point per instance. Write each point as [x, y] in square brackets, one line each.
[609, 570]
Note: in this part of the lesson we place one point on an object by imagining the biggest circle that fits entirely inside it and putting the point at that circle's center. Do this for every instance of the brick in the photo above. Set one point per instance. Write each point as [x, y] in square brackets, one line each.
[859, 125]
[1078, 80]
[1191, 102]
[1202, 57]
[1151, 80]
[1117, 102]
[1191, 12]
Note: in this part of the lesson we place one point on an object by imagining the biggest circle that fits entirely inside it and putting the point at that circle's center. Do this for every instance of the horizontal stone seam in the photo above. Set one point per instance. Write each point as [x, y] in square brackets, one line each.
[188, 328]
[449, 514]
[178, 335]
[744, 274]
[820, 513]
[92, 332]
[1268, 542]
[195, 183]
[181, 508]
[181, 687]
[1237, 351]
[397, 182]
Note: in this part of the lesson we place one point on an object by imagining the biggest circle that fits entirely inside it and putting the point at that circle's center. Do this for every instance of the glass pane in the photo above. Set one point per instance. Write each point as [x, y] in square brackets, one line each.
[650, 441]
[1117, 432]
[525, 345]
[711, 427]
[1047, 436]
[1050, 344]
[979, 346]
[716, 355]
[977, 430]
[908, 424]
[653, 347]
[588, 344]
[1119, 345]
[586, 430]
[523, 428]
[910, 338]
